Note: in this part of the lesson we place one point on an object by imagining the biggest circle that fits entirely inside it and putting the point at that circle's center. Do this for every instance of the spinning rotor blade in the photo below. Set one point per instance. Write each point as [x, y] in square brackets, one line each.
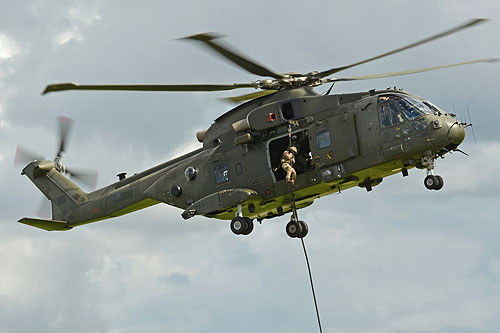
[65, 125]
[246, 97]
[84, 177]
[411, 71]
[24, 156]
[44, 208]
[146, 87]
[465, 25]
[240, 60]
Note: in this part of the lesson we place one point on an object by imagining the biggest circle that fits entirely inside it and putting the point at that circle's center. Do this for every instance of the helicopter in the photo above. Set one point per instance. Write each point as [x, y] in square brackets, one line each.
[341, 141]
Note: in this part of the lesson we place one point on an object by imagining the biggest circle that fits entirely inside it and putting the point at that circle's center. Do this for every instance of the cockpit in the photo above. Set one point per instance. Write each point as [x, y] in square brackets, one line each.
[398, 109]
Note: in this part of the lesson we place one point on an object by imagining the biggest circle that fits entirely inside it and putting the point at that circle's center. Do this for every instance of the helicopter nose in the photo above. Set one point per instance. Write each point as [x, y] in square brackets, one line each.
[456, 133]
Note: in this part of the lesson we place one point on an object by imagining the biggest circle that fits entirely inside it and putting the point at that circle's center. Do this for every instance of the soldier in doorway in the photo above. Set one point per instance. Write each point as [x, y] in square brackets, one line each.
[287, 162]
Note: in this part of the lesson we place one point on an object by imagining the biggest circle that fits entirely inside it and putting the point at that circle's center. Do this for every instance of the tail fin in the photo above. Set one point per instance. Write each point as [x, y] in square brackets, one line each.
[64, 195]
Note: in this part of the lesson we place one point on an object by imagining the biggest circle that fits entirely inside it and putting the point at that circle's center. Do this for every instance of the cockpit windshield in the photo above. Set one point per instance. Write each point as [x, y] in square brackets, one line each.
[394, 109]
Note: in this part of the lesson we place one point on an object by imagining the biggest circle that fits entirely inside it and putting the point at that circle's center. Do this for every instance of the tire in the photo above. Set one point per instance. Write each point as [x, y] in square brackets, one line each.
[238, 225]
[431, 182]
[440, 183]
[293, 229]
[304, 229]
[248, 226]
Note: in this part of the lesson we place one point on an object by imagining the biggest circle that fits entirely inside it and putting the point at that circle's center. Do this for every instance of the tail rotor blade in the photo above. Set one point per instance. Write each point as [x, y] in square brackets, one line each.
[87, 178]
[65, 125]
[25, 156]
[44, 209]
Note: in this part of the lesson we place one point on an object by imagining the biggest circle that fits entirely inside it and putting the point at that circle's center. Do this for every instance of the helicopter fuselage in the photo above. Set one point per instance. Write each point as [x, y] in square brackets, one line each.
[343, 141]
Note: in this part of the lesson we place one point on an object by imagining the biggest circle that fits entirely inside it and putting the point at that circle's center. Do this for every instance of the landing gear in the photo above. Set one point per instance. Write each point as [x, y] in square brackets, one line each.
[241, 225]
[297, 229]
[441, 182]
[431, 182]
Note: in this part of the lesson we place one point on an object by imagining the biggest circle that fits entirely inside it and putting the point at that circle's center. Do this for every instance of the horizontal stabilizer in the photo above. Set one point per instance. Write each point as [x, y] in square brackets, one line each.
[48, 225]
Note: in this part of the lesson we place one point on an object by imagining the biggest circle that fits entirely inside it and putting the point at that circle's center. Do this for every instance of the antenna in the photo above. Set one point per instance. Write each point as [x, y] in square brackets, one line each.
[329, 89]
[470, 124]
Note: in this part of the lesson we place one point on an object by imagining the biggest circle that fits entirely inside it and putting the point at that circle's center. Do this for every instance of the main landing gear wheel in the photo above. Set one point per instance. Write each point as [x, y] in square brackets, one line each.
[241, 225]
[297, 229]
[432, 182]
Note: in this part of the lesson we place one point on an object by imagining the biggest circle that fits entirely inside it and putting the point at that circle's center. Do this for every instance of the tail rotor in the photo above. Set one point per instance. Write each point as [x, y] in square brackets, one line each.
[88, 178]
[25, 156]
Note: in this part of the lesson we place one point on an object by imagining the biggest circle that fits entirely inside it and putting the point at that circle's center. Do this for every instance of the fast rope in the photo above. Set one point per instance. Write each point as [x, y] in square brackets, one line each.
[302, 239]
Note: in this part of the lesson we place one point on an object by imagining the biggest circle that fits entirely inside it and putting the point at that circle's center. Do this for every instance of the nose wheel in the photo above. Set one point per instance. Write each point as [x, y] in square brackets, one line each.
[431, 182]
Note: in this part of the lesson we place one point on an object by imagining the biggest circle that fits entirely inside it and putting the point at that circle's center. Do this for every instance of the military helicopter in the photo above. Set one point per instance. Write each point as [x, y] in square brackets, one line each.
[342, 141]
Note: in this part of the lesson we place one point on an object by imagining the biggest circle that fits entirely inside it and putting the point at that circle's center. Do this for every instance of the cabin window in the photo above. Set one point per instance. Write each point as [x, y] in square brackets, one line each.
[221, 174]
[190, 173]
[323, 139]
[287, 111]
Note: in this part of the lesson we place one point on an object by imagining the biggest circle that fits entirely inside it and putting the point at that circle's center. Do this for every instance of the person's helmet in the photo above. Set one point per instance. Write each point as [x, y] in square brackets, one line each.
[294, 150]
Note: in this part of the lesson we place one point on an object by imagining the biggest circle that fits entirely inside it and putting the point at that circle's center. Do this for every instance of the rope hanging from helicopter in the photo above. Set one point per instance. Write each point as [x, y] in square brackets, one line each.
[296, 217]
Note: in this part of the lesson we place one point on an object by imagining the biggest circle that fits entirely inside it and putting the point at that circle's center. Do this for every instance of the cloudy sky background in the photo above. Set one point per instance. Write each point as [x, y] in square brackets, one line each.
[398, 259]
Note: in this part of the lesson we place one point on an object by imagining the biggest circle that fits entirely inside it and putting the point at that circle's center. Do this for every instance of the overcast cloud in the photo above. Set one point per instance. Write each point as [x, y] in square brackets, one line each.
[397, 259]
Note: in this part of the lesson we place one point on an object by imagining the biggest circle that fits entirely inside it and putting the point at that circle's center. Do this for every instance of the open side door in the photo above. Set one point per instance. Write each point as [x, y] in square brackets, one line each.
[276, 147]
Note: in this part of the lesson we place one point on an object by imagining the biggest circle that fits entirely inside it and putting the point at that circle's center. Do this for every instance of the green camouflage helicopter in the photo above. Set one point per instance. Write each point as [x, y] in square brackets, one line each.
[342, 141]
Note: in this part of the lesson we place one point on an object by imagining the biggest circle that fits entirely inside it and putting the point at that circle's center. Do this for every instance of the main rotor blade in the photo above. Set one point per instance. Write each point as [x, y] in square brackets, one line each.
[232, 55]
[246, 97]
[65, 125]
[146, 87]
[465, 25]
[411, 71]
[24, 156]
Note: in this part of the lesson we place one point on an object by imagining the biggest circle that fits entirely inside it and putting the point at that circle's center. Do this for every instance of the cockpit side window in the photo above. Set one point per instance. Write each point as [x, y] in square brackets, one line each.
[390, 115]
[392, 108]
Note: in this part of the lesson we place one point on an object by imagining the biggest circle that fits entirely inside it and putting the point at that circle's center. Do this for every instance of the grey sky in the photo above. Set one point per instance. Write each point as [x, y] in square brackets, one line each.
[397, 259]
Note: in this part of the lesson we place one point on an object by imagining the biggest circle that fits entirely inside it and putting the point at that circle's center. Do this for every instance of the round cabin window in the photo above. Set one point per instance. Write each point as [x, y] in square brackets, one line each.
[190, 173]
